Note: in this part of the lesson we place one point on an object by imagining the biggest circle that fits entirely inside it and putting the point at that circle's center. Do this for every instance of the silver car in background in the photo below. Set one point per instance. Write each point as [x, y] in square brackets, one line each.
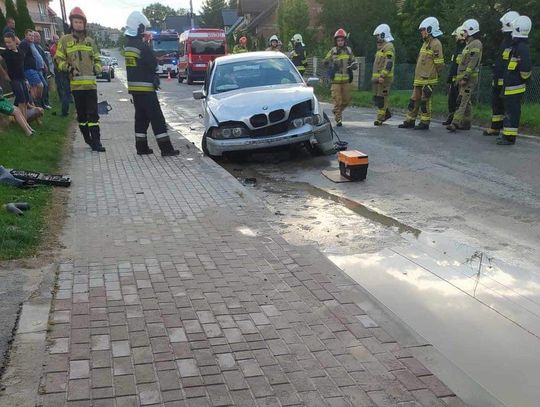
[258, 100]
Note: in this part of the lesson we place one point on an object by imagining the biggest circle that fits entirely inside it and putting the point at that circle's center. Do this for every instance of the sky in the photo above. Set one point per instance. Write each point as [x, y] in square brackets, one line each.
[113, 13]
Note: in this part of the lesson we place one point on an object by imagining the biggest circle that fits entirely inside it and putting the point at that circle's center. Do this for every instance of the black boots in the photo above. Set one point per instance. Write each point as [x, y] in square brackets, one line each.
[141, 144]
[406, 125]
[167, 149]
[506, 141]
[421, 126]
[96, 139]
[449, 120]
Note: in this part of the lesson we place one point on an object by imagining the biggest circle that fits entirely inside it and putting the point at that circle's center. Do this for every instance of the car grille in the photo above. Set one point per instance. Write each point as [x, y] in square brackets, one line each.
[259, 121]
[271, 130]
[300, 110]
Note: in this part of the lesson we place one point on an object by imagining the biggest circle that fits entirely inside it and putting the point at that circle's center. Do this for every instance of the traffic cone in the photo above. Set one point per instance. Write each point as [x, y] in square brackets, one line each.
[169, 75]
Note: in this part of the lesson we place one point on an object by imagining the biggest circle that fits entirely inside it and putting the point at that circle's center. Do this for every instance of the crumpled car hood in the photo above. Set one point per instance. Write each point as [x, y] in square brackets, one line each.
[240, 105]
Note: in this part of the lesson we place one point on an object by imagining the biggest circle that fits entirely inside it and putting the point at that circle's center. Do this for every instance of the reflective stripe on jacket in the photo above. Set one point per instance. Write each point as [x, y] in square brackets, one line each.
[340, 59]
[383, 65]
[430, 63]
[469, 66]
[519, 68]
[141, 65]
[79, 56]
[455, 61]
[501, 60]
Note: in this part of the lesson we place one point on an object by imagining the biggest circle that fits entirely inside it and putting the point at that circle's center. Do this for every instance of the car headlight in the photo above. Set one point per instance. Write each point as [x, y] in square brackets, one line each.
[309, 120]
[229, 132]
[297, 123]
[318, 120]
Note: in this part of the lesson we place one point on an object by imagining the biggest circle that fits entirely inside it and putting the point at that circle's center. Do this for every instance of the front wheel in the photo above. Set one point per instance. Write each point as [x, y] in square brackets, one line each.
[180, 79]
[189, 78]
[109, 77]
[112, 75]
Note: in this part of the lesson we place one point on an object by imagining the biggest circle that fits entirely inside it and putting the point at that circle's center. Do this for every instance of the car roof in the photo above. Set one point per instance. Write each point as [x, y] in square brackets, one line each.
[249, 56]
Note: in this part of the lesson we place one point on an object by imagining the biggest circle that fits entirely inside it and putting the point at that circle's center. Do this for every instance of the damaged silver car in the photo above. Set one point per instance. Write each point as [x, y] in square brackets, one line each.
[258, 100]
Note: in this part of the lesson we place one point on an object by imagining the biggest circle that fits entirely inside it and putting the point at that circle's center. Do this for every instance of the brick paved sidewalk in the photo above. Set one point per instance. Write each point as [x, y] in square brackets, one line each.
[174, 291]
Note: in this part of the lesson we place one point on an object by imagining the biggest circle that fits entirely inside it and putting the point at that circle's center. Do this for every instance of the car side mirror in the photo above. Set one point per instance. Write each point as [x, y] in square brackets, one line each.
[313, 81]
[199, 94]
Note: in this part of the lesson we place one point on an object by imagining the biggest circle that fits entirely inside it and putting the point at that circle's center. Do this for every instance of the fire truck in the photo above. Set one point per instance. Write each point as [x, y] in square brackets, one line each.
[165, 46]
[199, 47]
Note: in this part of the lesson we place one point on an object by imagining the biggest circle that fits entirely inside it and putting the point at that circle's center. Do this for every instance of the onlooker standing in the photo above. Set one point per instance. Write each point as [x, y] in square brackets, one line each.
[30, 66]
[15, 72]
[44, 69]
[78, 55]
[61, 79]
[10, 29]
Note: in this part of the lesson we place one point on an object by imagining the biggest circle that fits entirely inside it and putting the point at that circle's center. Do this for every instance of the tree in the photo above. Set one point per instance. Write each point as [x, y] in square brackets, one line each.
[11, 11]
[233, 4]
[23, 20]
[3, 21]
[211, 13]
[293, 18]
[156, 14]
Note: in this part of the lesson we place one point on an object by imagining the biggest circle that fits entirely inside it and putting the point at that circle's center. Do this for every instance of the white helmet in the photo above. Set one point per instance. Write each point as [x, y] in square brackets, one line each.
[471, 26]
[297, 38]
[136, 24]
[459, 33]
[431, 25]
[383, 32]
[273, 38]
[507, 20]
[521, 27]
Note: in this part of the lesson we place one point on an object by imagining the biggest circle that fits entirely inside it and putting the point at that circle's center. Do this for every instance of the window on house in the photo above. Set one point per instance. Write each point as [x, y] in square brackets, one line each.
[47, 33]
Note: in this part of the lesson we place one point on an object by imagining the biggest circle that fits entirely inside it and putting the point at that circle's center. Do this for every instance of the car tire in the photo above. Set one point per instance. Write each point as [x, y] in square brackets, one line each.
[180, 79]
[109, 77]
[204, 145]
[112, 75]
[189, 79]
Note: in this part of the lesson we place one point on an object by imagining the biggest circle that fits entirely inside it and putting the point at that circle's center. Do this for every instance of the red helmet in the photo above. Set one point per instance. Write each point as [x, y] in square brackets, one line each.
[242, 40]
[340, 33]
[77, 12]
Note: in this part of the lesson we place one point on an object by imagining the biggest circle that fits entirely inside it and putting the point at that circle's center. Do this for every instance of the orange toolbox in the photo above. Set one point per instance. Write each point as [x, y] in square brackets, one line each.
[353, 165]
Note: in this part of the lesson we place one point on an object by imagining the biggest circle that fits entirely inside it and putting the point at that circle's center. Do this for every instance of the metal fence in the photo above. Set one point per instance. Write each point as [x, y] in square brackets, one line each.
[404, 76]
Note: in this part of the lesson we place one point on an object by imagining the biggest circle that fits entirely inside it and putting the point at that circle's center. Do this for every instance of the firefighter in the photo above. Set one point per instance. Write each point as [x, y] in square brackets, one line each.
[273, 44]
[78, 55]
[467, 76]
[516, 76]
[340, 60]
[298, 53]
[428, 69]
[142, 80]
[453, 85]
[241, 47]
[501, 63]
[383, 72]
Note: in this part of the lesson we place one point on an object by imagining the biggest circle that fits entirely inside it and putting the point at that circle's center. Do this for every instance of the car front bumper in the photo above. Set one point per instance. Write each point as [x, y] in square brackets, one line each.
[319, 136]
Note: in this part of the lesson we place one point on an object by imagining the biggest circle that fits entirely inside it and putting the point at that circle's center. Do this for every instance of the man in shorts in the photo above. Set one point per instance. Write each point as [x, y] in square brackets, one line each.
[30, 66]
[15, 72]
[7, 108]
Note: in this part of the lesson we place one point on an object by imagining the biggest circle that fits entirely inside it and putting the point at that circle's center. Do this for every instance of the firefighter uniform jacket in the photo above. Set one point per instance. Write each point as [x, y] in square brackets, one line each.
[455, 61]
[79, 56]
[340, 59]
[519, 68]
[501, 61]
[238, 49]
[383, 66]
[469, 67]
[298, 57]
[430, 63]
[141, 65]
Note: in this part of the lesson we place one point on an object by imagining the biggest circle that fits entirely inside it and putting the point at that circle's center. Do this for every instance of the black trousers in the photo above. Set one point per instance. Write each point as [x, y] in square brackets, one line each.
[497, 107]
[87, 112]
[148, 111]
[512, 109]
[453, 93]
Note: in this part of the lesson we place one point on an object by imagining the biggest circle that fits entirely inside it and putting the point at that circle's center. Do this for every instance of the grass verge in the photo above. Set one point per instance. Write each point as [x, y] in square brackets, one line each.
[20, 236]
[399, 99]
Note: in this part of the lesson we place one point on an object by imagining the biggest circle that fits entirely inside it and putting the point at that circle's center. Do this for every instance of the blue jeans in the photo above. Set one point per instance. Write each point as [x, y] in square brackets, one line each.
[63, 89]
[45, 82]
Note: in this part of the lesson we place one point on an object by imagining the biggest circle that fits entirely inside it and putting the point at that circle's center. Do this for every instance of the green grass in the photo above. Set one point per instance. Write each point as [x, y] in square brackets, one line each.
[21, 236]
[530, 114]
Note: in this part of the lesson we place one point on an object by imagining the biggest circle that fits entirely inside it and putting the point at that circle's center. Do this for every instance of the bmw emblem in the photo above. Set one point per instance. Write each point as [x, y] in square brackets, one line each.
[265, 107]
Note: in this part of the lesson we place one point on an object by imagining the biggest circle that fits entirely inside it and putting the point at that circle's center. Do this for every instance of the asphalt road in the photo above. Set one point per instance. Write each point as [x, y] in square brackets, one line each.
[444, 232]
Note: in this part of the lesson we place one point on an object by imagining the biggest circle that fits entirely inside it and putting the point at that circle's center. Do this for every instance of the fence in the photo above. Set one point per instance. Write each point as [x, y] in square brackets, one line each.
[404, 76]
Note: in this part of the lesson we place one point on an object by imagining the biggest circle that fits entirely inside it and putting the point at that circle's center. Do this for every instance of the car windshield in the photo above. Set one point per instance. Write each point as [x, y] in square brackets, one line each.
[207, 47]
[105, 61]
[165, 45]
[253, 73]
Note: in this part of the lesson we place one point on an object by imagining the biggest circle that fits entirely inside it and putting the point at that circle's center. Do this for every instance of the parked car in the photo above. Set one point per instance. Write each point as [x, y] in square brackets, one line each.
[259, 100]
[107, 69]
[114, 61]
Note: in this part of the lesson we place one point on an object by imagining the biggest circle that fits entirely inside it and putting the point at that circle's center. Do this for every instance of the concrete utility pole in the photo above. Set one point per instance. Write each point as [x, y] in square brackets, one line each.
[191, 13]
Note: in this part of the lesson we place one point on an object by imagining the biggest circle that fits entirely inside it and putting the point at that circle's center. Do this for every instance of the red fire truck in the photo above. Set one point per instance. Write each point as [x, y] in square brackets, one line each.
[199, 47]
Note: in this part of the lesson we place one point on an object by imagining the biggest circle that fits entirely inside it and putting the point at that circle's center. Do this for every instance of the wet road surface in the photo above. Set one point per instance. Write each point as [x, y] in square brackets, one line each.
[444, 232]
